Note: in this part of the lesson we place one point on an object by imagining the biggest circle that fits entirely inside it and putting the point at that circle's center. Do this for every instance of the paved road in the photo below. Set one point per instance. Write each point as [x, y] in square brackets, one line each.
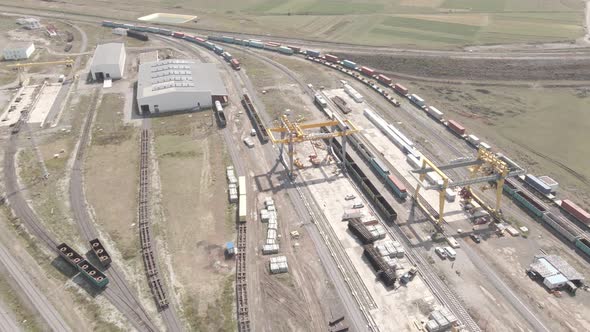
[28, 287]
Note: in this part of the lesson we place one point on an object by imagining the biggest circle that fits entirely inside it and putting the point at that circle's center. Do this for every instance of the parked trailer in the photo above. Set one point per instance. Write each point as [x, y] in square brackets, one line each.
[349, 64]
[456, 127]
[400, 89]
[312, 53]
[137, 35]
[398, 188]
[417, 100]
[331, 58]
[384, 79]
[367, 71]
[235, 64]
[100, 252]
[435, 113]
[576, 211]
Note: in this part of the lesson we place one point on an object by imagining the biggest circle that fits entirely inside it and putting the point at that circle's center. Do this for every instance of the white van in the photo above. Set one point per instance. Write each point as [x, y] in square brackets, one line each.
[451, 253]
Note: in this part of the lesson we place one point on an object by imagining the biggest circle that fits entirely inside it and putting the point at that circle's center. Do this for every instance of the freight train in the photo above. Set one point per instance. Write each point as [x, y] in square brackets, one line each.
[538, 210]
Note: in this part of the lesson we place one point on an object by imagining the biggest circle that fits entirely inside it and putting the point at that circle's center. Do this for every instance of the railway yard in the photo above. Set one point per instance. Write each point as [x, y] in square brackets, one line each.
[301, 186]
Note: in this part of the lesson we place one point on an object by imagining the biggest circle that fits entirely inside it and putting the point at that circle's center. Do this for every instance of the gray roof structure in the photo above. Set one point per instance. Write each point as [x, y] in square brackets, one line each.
[552, 265]
[161, 77]
[107, 54]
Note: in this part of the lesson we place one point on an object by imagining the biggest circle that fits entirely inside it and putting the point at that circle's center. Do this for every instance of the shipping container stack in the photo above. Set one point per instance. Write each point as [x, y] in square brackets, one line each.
[232, 184]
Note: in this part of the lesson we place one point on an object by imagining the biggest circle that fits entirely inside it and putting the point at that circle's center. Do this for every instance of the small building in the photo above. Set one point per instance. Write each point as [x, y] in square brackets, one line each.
[178, 85]
[108, 62]
[555, 273]
[18, 50]
[30, 23]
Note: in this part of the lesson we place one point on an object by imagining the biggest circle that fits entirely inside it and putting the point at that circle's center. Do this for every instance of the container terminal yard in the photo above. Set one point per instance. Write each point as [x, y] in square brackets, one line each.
[159, 176]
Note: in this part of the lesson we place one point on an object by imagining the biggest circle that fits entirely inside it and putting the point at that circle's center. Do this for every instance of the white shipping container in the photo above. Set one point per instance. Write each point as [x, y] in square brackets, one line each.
[485, 146]
[435, 112]
[351, 214]
[473, 139]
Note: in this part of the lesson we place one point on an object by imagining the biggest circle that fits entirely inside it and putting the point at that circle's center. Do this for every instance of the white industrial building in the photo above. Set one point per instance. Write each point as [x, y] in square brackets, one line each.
[30, 23]
[555, 273]
[18, 50]
[108, 62]
[178, 85]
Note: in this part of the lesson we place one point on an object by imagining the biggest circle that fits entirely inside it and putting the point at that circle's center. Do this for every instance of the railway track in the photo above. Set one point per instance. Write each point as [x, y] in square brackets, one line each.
[119, 289]
[148, 251]
[241, 281]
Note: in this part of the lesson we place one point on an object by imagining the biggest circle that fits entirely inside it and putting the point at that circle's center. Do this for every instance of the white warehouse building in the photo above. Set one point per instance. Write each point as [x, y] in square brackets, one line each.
[178, 85]
[108, 62]
[18, 50]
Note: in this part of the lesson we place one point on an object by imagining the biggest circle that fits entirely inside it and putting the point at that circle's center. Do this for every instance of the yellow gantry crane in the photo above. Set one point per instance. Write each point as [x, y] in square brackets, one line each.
[493, 168]
[21, 66]
[292, 132]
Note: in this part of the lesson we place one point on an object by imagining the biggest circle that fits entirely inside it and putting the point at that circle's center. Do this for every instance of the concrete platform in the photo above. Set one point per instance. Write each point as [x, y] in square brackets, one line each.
[47, 97]
[22, 100]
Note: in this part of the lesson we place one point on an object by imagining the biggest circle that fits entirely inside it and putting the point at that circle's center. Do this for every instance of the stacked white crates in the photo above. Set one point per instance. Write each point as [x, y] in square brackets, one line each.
[232, 184]
[269, 215]
[353, 93]
[278, 264]
[378, 231]
[391, 249]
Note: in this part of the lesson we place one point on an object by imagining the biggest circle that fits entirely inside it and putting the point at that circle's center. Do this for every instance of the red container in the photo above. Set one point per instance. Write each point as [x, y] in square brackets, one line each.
[295, 49]
[456, 127]
[331, 58]
[400, 89]
[396, 182]
[235, 63]
[384, 79]
[576, 211]
[178, 34]
[367, 71]
[200, 40]
[273, 44]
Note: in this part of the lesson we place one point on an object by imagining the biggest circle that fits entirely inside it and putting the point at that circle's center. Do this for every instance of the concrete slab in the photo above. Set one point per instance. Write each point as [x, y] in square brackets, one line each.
[44, 103]
[21, 101]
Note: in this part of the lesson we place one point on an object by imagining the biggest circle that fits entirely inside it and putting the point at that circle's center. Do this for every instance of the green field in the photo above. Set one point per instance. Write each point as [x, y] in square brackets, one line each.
[419, 23]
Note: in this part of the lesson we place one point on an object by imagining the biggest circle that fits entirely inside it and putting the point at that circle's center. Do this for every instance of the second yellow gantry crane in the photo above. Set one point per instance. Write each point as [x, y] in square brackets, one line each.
[22, 65]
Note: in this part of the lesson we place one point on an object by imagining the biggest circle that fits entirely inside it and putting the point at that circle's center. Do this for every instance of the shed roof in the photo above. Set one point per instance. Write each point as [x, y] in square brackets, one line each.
[551, 265]
[107, 54]
[161, 77]
[556, 279]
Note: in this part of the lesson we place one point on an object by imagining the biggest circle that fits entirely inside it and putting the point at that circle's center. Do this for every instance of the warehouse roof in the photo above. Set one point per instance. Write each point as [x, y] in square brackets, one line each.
[161, 77]
[552, 265]
[107, 54]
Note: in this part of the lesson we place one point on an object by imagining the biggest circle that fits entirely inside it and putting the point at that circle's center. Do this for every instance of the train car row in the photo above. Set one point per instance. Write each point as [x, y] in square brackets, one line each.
[531, 205]
[255, 117]
[386, 210]
[89, 271]
[138, 31]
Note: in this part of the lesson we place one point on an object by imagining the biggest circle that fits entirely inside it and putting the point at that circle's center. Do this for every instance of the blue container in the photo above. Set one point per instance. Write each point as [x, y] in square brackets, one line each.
[349, 64]
[214, 38]
[218, 49]
[165, 32]
[256, 44]
[285, 50]
[209, 45]
[312, 53]
[227, 39]
[539, 185]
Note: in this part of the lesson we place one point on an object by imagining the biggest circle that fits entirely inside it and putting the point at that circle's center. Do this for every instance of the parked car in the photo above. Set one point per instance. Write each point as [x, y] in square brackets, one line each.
[440, 252]
[253, 132]
[349, 197]
[358, 205]
[475, 238]
[408, 276]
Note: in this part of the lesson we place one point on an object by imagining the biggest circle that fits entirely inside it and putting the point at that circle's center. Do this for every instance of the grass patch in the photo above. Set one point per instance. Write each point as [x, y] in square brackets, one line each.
[431, 26]
[219, 315]
[109, 127]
